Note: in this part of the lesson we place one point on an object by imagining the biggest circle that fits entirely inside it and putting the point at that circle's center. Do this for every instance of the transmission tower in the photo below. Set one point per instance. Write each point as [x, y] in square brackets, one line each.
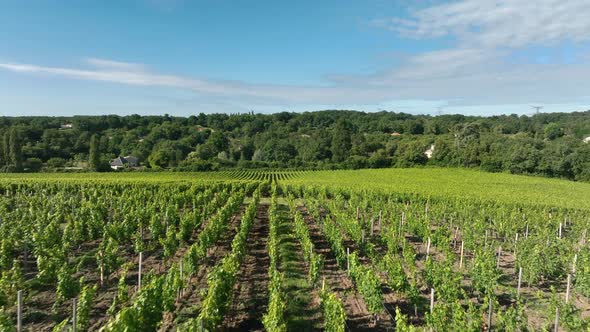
[537, 108]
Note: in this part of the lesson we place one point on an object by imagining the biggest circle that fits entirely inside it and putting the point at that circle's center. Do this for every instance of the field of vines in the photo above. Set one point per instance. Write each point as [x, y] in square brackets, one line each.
[247, 250]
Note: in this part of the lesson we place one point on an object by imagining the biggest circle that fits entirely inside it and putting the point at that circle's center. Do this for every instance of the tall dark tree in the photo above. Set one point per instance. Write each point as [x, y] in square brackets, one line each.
[6, 148]
[341, 141]
[16, 158]
[3, 147]
[94, 154]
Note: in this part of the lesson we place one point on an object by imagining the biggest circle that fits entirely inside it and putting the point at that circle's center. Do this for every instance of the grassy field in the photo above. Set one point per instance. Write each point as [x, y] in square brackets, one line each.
[459, 183]
[431, 182]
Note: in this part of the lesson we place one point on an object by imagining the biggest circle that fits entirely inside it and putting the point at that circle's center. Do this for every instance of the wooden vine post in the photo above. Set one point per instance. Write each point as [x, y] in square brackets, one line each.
[461, 259]
[490, 314]
[348, 260]
[139, 271]
[19, 311]
[74, 314]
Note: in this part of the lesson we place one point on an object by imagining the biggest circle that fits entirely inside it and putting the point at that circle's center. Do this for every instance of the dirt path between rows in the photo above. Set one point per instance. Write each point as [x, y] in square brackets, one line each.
[358, 317]
[250, 298]
[192, 295]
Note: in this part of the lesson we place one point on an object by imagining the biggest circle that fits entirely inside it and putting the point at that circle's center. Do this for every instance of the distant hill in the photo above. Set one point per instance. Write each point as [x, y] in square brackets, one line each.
[548, 144]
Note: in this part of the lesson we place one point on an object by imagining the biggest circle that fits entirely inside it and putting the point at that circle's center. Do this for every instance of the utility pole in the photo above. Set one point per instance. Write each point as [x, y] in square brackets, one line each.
[537, 108]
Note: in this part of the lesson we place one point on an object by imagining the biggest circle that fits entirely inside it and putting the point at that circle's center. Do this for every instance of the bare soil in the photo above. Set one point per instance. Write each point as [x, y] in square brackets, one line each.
[250, 296]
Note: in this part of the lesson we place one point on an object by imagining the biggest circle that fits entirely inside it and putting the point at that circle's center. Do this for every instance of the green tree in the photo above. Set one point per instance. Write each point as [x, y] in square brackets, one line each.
[6, 148]
[341, 141]
[219, 141]
[94, 159]
[15, 149]
[206, 151]
[552, 131]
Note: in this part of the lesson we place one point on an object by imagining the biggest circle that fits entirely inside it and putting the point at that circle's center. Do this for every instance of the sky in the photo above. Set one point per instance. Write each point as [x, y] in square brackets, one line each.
[181, 57]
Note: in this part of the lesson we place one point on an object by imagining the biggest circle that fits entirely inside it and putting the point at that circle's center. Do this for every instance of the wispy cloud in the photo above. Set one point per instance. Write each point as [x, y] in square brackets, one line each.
[498, 23]
[135, 74]
[115, 65]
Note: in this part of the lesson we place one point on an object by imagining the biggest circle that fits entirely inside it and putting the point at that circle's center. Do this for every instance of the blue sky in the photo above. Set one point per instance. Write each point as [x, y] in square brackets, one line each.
[186, 57]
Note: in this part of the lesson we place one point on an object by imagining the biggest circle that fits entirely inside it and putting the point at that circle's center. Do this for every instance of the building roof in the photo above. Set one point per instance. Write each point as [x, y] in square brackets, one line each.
[118, 162]
[131, 159]
[121, 161]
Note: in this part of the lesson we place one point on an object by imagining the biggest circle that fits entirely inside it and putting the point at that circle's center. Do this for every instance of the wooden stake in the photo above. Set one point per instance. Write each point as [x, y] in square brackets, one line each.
[556, 326]
[526, 232]
[490, 315]
[498, 258]
[380, 216]
[74, 315]
[348, 260]
[324, 283]
[139, 271]
[101, 275]
[428, 248]
[181, 270]
[574, 263]
[19, 311]
[461, 260]
[560, 226]
[372, 226]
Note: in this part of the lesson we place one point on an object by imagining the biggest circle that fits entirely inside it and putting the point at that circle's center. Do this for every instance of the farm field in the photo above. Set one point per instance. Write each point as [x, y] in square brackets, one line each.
[246, 250]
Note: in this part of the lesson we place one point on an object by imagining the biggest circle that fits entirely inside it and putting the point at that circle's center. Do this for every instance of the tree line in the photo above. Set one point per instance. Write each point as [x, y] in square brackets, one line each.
[547, 144]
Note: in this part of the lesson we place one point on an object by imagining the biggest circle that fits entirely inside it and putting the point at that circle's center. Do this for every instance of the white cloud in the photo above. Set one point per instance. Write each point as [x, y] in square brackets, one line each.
[115, 65]
[123, 73]
[498, 23]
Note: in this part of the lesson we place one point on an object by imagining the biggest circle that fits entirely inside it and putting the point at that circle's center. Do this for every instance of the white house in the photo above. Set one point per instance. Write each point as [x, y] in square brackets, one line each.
[429, 152]
[587, 139]
[122, 162]
[67, 126]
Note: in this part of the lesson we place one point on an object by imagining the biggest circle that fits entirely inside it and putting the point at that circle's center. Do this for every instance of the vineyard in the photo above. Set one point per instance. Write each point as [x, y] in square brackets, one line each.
[246, 250]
